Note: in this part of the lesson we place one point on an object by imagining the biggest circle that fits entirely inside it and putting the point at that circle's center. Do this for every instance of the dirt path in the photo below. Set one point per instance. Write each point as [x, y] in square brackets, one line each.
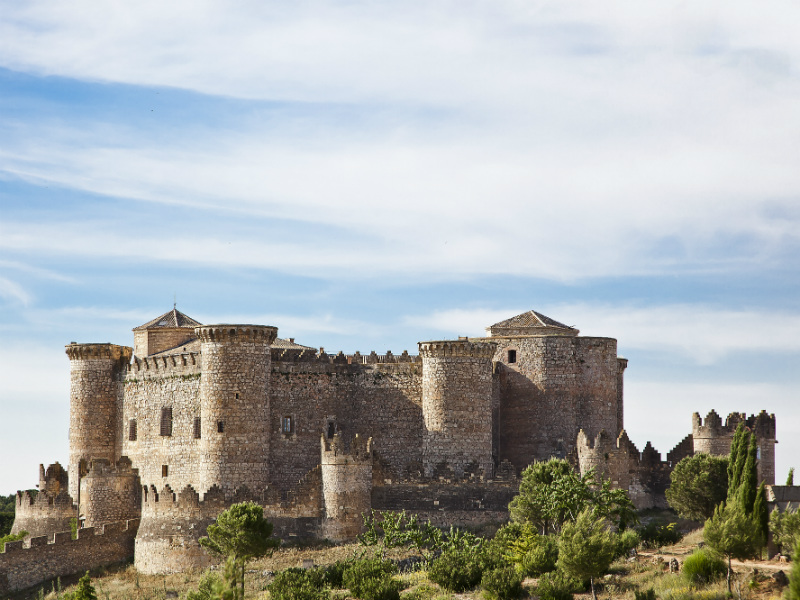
[765, 565]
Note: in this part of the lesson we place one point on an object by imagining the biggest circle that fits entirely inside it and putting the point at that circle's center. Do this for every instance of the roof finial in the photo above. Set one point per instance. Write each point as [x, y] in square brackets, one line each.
[174, 301]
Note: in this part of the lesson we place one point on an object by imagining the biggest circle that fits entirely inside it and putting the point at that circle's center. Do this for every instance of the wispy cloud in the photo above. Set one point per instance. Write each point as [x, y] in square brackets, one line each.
[705, 334]
[13, 291]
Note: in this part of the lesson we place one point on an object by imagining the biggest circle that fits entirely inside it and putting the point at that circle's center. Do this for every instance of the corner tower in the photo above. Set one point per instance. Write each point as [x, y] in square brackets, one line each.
[457, 405]
[96, 372]
[234, 406]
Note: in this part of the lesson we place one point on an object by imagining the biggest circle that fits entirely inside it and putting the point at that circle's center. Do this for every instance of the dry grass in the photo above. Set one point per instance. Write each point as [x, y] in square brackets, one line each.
[123, 582]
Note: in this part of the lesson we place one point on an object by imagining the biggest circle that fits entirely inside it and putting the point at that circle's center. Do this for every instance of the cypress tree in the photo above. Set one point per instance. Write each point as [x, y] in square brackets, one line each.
[748, 482]
[790, 477]
[760, 513]
[734, 471]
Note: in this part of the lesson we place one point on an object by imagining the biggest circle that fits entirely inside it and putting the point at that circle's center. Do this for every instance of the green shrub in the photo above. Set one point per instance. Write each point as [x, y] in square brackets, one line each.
[12, 538]
[209, 587]
[378, 588]
[648, 594]
[688, 593]
[656, 534]
[297, 584]
[626, 541]
[371, 579]
[504, 583]
[334, 573]
[457, 571]
[541, 558]
[557, 586]
[703, 567]
[785, 527]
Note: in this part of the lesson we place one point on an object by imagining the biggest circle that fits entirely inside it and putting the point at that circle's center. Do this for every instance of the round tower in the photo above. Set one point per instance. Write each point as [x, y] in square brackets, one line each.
[457, 406]
[110, 493]
[234, 406]
[96, 372]
[346, 487]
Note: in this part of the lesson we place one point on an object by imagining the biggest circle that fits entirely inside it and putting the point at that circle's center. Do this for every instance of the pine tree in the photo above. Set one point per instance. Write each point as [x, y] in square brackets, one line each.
[734, 471]
[85, 589]
[586, 548]
[748, 479]
[733, 534]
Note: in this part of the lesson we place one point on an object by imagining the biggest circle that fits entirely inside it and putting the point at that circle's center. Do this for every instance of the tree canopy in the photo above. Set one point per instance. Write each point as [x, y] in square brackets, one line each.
[551, 493]
[733, 533]
[697, 485]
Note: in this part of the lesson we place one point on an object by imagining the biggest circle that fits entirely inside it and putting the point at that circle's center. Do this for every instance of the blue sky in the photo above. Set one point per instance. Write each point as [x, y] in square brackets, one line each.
[367, 175]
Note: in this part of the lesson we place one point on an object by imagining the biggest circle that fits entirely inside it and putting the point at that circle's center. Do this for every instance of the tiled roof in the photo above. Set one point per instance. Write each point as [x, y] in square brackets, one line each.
[530, 318]
[173, 318]
[290, 345]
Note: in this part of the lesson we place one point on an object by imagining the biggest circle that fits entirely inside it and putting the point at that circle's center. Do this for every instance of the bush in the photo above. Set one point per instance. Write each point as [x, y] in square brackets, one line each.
[12, 538]
[626, 541]
[703, 567]
[541, 558]
[334, 573]
[785, 527]
[557, 586]
[378, 588]
[504, 583]
[371, 579]
[297, 584]
[457, 571]
[656, 534]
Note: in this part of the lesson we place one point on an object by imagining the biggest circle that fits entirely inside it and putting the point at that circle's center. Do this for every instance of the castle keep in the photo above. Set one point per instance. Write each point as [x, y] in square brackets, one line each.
[165, 435]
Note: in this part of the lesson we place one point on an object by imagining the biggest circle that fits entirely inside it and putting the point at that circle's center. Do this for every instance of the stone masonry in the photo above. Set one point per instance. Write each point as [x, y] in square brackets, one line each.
[202, 416]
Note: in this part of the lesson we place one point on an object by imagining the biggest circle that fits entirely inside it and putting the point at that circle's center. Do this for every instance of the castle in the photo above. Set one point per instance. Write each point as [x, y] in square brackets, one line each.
[165, 435]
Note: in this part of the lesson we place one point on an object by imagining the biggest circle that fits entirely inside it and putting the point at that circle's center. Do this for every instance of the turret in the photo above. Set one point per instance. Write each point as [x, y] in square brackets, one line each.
[110, 493]
[234, 406]
[346, 486]
[96, 372]
[712, 437]
[457, 405]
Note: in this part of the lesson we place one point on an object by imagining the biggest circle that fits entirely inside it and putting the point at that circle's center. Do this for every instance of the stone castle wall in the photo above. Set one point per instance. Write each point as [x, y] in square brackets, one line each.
[25, 564]
[147, 393]
[643, 475]
[384, 399]
[556, 386]
[42, 513]
[153, 341]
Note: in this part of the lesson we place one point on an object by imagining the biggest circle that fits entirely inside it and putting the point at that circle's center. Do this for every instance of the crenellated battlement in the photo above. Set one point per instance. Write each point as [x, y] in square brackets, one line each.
[643, 475]
[121, 354]
[335, 451]
[297, 355]
[181, 363]
[100, 467]
[463, 348]
[48, 510]
[24, 564]
[233, 334]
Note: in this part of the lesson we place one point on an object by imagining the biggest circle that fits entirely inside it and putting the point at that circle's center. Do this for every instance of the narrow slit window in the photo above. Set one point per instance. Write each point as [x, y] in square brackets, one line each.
[331, 429]
[132, 430]
[287, 425]
[220, 427]
[197, 428]
[164, 470]
[166, 421]
[512, 356]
